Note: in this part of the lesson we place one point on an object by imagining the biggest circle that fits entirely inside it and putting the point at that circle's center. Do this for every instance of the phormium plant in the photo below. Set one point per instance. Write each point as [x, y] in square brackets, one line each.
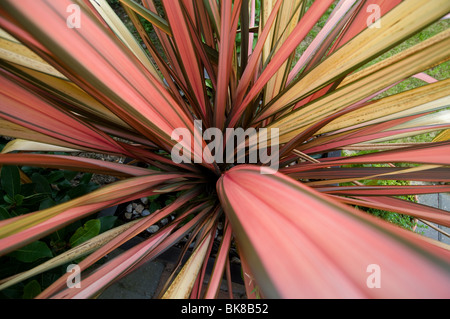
[73, 78]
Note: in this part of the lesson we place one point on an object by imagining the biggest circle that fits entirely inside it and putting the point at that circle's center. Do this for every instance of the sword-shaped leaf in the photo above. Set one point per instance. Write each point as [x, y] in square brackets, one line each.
[331, 246]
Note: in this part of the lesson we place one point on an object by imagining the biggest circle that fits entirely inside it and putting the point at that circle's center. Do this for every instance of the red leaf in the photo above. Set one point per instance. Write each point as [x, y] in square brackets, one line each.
[74, 163]
[125, 88]
[40, 115]
[301, 244]
[434, 153]
[391, 190]
[317, 9]
[401, 206]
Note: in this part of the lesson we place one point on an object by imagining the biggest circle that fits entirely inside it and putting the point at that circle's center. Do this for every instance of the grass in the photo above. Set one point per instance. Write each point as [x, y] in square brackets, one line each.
[439, 72]
[401, 220]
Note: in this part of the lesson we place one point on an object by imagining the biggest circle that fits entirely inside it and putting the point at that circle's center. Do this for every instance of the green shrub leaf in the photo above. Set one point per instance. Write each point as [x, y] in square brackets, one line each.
[107, 222]
[18, 199]
[31, 290]
[42, 184]
[10, 180]
[4, 213]
[89, 230]
[32, 252]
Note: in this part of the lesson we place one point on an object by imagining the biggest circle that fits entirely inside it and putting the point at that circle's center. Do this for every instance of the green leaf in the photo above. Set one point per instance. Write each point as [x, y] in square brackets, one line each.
[21, 210]
[4, 213]
[47, 203]
[69, 175]
[8, 199]
[64, 185]
[81, 190]
[153, 197]
[42, 184]
[89, 230]
[107, 222]
[32, 252]
[86, 178]
[27, 189]
[154, 206]
[13, 292]
[18, 198]
[55, 176]
[35, 199]
[31, 290]
[10, 180]
[62, 198]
